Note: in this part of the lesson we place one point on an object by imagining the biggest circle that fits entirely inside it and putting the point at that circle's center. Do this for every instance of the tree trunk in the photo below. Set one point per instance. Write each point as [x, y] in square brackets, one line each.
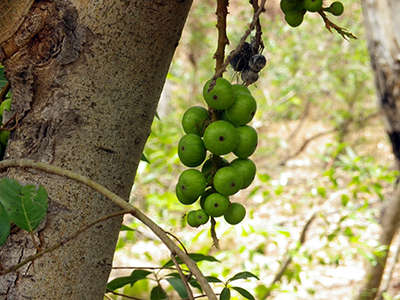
[382, 21]
[86, 78]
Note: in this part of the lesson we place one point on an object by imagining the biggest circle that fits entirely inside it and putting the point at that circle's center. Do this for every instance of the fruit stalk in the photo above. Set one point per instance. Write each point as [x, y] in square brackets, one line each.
[222, 12]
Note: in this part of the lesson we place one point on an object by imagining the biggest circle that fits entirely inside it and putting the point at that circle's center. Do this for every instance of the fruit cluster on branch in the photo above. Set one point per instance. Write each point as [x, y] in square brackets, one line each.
[220, 131]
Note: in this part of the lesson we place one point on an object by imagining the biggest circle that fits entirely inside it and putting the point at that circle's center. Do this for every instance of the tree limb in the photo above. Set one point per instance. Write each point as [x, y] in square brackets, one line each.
[135, 212]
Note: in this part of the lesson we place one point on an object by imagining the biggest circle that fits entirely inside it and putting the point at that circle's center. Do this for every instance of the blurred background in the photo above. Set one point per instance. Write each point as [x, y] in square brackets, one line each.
[322, 151]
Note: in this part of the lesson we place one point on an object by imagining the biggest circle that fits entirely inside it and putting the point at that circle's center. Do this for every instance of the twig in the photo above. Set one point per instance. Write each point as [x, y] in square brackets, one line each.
[63, 242]
[222, 12]
[304, 145]
[135, 212]
[258, 40]
[4, 91]
[178, 240]
[123, 295]
[330, 25]
[214, 233]
[108, 297]
[288, 260]
[256, 15]
[385, 285]
[183, 277]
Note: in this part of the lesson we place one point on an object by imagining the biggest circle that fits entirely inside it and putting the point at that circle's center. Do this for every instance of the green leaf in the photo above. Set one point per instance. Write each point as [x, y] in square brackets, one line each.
[225, 294]
[144, 158]
[126, 228]
[195, 256]
[212, 279]
[26, 205]
[118, 283]
[157, 293]
[132, 279]
[243, 275]
[5, 105]
[4, 225]
[179, 286]
[193, 282]
[244, 292]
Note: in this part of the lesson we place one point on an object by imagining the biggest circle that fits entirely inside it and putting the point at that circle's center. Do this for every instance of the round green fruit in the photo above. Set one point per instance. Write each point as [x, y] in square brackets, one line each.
[191, 150]
[247, 169]
[216, 205]
[235, 213]
[294, 17]
[248, 140]
[336, 8]
[220, 96]
[193, 120]
[227, 181]
[220, 137]
[288, 5]
[205, 195]
[313, 5]
[211, 166]
[195, 218]
[239, 88]
[243, 109]
[191, 185]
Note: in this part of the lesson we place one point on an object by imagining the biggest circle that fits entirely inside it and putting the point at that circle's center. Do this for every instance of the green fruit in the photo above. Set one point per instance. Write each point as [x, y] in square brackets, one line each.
[205, 195]
[336, 8]
[227, 181]
[220, 96]
[191, 185]
[191, 150]
[193, 120]
[247, 169]
[220, 137]
[216, 205]
[243, 109]
[195, 218]
[288, 5]
[239, 88]
[247, 141]
[294, 18]
[235, 213]
[211, 166]
[312, 5]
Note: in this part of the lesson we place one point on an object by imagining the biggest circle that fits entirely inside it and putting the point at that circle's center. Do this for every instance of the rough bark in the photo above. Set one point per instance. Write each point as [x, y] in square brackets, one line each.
[382, 22]
[86, 78]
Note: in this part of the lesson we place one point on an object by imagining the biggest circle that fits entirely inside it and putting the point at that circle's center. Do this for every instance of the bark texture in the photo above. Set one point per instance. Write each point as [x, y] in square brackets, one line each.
[86, 78]
[382, 22]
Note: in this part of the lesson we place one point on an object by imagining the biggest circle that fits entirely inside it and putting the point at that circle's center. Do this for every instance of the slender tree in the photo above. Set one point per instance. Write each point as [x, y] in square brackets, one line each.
[382, 21]
[86, 77]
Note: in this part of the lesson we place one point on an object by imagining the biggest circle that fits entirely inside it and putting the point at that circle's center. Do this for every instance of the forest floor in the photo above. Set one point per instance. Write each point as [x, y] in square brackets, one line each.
[281, 201]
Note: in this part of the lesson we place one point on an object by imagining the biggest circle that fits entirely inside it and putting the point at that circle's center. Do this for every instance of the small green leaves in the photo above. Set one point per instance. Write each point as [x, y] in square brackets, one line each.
[4, 225]
[26, 206]
[195, 256]
[157, 293]
[132, 279]
[243, 292]
[243, 275]
[144, 158]
[179, 286]
[225, 294]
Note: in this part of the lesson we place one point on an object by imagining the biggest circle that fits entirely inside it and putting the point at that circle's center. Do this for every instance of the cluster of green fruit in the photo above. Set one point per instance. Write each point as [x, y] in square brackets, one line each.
[221, 131]
[295, 10]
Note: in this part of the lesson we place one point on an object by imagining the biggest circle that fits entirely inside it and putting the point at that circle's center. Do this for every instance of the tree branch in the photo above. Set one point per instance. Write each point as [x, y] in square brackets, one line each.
[135, 212]
[183, 277]
[222, 12]
[58, 245]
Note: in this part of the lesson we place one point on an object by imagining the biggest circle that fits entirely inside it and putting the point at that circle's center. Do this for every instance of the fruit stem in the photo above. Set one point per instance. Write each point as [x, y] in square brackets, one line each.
[222, 12]
[214, 233]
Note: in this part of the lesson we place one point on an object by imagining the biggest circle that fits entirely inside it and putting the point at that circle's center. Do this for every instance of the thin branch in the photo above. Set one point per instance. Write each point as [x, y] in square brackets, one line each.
[183, 277]
[108, 297]
[330, 25]
[123, 295]
[385, 285]
[222, 12]
[214, 233]
[4, 91]
[178, 240]
[142, 268]
[288, 260]
[256, 15]
[63, 242]
[258, 40]
[135, 212]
